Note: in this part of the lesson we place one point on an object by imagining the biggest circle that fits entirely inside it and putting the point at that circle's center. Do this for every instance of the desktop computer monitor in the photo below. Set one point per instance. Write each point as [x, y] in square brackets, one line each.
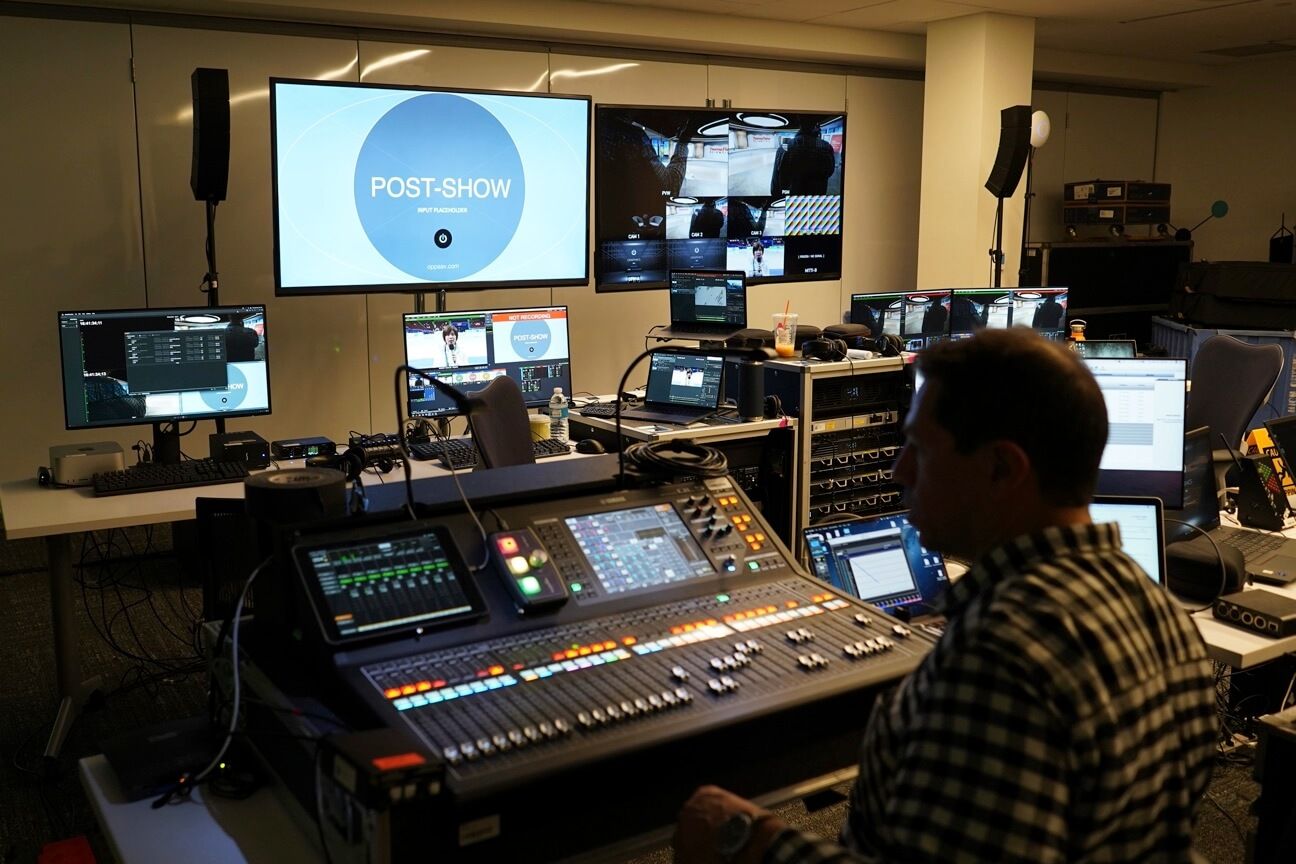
[126, 367]
[924, 318]
[1042, 309]
[467, 350]
[881, 313]
[1146, 400]
[973, 309]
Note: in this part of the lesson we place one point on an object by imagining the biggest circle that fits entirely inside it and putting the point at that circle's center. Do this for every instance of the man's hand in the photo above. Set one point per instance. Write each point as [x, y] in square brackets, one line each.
[698, 828]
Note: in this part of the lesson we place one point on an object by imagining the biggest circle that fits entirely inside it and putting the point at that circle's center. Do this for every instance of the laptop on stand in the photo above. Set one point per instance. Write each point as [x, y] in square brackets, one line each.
[1269, 557]
[706, 305]
[879, 560]
[682, 389]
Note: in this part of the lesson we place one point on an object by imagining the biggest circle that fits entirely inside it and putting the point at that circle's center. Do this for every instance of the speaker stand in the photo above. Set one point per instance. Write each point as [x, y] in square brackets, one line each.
[211, 280]
[1021, 262]
[996, 254]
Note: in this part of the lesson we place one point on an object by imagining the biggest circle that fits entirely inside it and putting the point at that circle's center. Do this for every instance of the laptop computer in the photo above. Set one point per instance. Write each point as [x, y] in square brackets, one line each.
[682, 389]
[706, 305]
[1269, 557]
[879, 560]
[1142, 528]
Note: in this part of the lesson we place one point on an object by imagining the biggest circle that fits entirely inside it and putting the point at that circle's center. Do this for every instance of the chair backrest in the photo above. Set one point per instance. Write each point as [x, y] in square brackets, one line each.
[1231, 379]
[498, 418]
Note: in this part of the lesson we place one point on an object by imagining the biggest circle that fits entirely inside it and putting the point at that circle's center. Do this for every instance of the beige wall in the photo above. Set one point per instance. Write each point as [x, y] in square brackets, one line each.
[1233, 141]
[109, 234]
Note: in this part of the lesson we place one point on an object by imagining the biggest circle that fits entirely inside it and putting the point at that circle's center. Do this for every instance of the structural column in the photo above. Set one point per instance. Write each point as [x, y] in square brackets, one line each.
[976, 66]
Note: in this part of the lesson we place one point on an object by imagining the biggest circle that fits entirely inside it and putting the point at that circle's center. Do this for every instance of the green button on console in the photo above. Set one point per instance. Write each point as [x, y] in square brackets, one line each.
[529, 585]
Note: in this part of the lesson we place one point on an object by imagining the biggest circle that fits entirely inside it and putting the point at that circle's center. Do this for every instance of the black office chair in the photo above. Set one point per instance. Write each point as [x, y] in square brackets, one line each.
[1231, 379]
[497, 418]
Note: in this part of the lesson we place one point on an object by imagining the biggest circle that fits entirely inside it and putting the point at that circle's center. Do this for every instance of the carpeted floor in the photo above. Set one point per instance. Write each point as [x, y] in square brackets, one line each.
[147, 607]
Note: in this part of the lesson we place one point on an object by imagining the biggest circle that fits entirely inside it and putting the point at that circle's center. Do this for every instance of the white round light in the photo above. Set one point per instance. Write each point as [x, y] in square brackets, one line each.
[1040, 128]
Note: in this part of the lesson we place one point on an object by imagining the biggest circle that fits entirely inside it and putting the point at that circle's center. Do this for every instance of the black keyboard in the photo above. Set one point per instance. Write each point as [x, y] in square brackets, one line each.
[152, 477]
[599, 409]
[462, 453]
[1251, 544]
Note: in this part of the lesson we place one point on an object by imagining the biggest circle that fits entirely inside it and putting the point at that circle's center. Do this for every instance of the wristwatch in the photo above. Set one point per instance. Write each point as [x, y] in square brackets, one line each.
[734, 835]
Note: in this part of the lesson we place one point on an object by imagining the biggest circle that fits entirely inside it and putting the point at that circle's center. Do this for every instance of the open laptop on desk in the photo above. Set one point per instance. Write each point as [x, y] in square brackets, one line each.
[880, 561]
[706, 305]
[682, 388]
[1269, 557]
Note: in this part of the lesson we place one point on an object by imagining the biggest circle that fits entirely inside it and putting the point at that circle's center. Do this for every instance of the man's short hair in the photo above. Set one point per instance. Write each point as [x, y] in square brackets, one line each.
[1014, 385]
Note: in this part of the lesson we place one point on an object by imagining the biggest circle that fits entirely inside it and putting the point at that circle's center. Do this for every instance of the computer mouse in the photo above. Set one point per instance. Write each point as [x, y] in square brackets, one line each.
[590, 445]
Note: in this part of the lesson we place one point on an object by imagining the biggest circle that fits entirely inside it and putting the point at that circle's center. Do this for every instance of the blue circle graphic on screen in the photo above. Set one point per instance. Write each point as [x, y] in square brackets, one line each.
[439, 187]
[531, 338]
[232, 396]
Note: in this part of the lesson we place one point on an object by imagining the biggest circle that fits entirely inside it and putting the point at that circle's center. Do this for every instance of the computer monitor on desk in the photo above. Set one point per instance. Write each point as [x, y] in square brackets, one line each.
[1146, 400]
[917, 317]
[161, 366]
[467, 350]
[973, 309]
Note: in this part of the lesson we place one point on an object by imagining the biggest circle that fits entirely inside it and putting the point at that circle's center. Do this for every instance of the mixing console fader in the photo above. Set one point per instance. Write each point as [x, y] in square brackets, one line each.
[643, 641]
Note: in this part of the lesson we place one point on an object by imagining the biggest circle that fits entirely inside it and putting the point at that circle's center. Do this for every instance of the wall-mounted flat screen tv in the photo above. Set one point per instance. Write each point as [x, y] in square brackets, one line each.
[707, 189]
[393, 188]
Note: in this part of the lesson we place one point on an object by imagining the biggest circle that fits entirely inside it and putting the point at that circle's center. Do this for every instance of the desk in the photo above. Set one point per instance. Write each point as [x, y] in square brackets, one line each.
[31, 510]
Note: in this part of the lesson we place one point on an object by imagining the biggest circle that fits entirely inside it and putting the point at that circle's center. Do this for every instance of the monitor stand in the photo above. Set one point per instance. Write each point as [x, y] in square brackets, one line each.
[166, 443]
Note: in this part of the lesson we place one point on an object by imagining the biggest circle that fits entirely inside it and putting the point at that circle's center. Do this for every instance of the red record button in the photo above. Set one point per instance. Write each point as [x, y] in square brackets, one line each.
[507, 545]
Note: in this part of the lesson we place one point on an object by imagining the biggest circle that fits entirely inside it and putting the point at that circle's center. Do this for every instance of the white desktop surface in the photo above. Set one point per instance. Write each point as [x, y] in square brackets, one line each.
[201, 830]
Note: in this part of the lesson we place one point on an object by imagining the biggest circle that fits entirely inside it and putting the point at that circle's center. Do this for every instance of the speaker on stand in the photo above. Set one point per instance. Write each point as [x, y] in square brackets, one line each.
[1014, 149]
[209, 170]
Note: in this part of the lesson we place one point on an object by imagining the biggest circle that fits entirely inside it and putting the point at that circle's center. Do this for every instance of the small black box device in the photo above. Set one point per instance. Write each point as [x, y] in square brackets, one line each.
[381, 768]
[1266, 612]
[303, 448]
[246, 447]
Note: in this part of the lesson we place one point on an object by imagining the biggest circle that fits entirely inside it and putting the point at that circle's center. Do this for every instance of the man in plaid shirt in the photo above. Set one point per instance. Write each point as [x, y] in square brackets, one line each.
[1067, 713]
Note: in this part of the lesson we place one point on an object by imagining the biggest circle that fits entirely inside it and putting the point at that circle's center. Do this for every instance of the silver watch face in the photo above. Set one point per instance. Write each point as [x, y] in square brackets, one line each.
[734, 834]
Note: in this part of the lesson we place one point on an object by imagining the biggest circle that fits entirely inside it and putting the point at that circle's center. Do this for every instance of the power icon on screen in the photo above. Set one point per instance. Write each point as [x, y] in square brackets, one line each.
[442, 238]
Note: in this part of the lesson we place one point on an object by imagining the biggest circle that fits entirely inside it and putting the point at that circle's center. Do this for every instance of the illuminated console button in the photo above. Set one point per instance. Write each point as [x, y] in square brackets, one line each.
[546, 729]
[502, 742]
[507, 545]
[538, 558]
[452, 755]
[516, 737]
[529, 585]
[562, 725]
[531, 732]
[518, 565]
[628, 708]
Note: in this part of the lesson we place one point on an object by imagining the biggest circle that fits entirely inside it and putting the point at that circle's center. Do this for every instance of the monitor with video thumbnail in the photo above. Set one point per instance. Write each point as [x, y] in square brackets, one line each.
[125, 367]
[468, 350]
[924, 319]
[401, 188]
[881, 313]
[1044, 310]
[973, 309]
[681, 188]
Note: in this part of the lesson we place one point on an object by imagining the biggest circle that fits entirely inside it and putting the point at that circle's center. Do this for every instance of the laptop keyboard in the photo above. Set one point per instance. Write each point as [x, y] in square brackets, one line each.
[1250, 543]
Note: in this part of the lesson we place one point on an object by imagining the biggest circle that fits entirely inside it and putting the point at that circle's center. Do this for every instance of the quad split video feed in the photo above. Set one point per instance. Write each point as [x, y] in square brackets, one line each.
[920, 318]
[752, 191]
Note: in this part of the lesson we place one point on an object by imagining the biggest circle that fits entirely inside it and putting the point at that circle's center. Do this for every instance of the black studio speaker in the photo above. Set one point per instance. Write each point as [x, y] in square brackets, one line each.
[209, 173]
[1014, 148]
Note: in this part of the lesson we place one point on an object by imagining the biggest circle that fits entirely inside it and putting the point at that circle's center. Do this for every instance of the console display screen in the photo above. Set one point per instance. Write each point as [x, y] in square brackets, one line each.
[638, 549]
[384, 582]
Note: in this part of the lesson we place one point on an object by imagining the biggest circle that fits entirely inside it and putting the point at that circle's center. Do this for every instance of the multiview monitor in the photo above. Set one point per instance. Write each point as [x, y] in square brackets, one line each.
[706, 189]
[133, 366]
[1146, 400]
[393, 188]
[922, 317]
[468, 350]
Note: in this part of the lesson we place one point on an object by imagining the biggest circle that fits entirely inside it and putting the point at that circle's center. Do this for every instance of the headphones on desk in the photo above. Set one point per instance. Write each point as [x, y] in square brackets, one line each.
[824, 349]
[355, 460]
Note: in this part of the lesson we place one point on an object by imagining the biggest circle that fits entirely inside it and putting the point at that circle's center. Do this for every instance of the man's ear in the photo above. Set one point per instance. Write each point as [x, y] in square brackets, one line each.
[1009, 466]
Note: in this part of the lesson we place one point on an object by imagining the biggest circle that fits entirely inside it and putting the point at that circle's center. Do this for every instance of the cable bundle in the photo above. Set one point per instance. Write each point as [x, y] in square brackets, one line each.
[674, 459]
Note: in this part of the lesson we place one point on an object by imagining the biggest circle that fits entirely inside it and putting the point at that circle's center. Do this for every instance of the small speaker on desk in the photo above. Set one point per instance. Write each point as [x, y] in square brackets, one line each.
[209, 172]
[751, 390]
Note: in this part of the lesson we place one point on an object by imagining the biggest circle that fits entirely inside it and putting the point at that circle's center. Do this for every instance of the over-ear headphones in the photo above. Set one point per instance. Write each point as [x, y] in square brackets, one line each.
[884, 345]
[824, 349]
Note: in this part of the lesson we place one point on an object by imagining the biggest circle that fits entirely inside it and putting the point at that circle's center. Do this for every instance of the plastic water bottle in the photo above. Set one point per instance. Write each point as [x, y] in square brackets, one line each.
[558, 416]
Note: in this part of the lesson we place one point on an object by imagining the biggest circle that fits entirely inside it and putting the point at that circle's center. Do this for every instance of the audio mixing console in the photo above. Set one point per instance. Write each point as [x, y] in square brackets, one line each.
[618, 650]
